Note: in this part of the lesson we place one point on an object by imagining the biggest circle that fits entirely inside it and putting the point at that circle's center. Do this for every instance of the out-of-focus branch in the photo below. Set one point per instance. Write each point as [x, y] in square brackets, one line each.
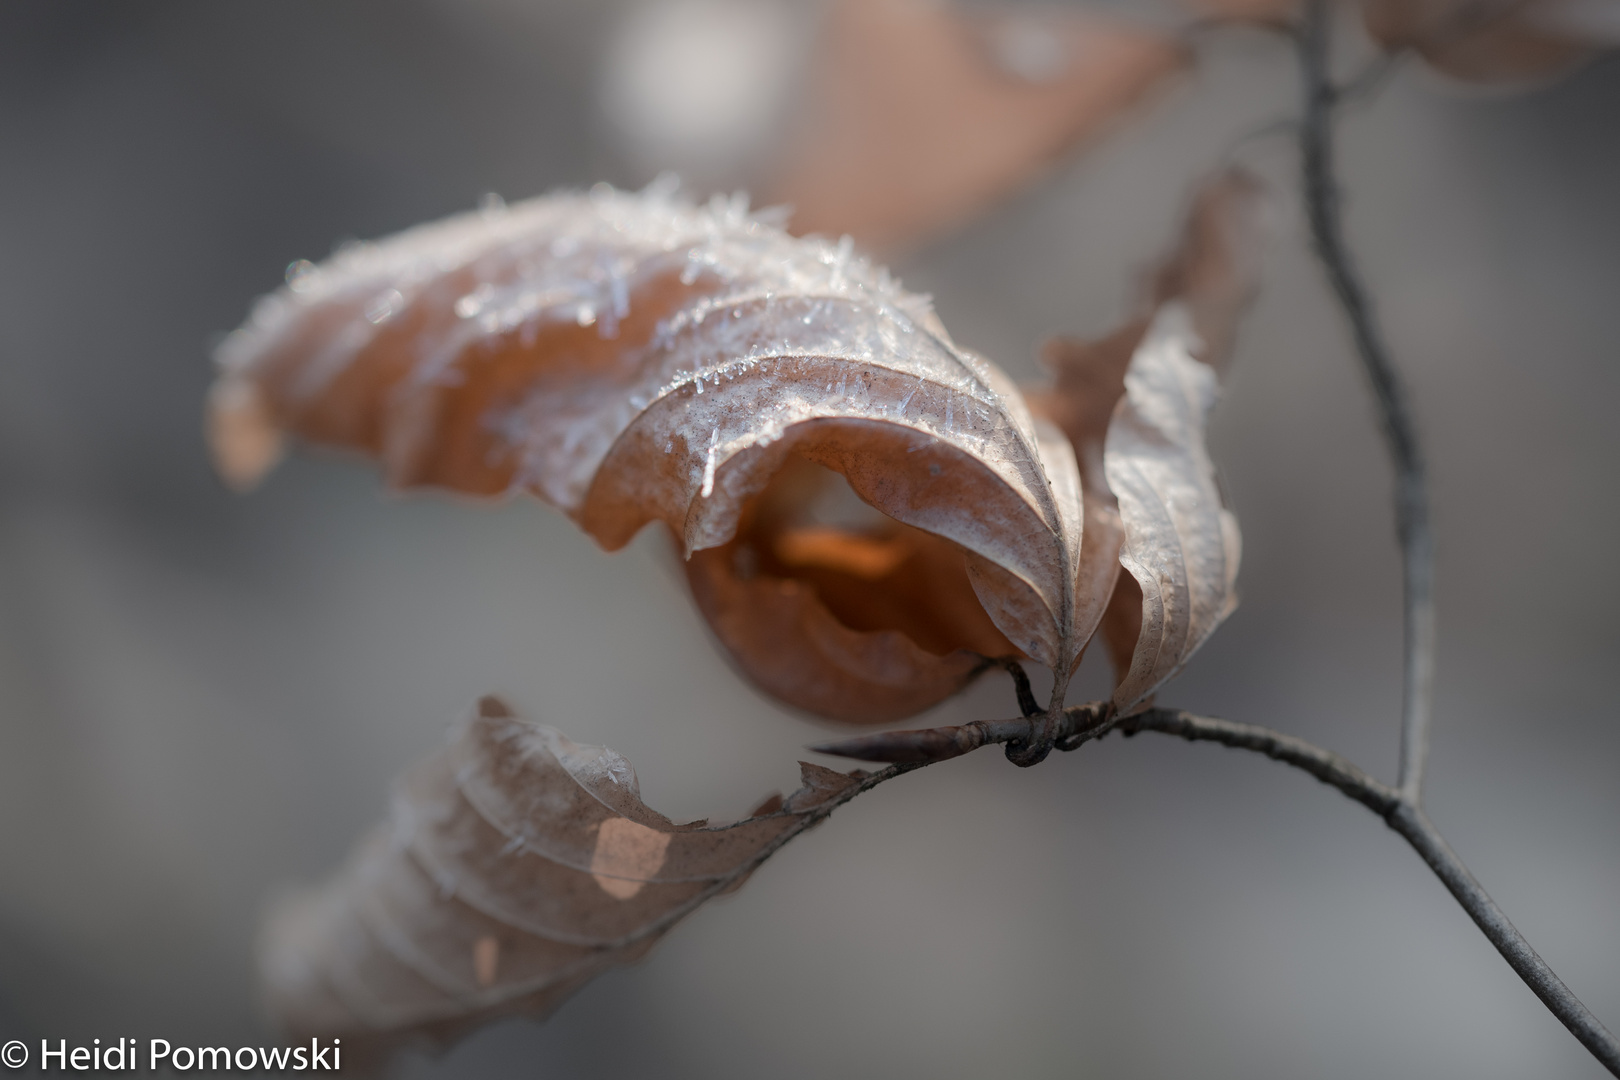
[1323, 207]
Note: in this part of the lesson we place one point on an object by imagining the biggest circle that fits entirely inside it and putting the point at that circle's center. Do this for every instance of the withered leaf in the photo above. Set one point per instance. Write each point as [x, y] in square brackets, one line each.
[516, 865]
[634, 358]
[1134, 405]
[1181, 544]
[918, 115]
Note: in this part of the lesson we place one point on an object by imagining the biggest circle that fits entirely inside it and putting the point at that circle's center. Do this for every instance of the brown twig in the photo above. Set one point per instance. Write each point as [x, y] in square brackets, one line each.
[1401, 807]
[1404, 816]
[1084, 723]
[1075, 726]
[1026, 693]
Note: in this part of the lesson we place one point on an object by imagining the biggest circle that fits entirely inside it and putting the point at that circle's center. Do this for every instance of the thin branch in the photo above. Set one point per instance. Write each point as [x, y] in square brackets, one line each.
[1083, 723]
[1044, 729]
[1026, 694]
[1325, 765]
[1406, 818]
[1074, 727]
[1419, 831]
[1322, 202]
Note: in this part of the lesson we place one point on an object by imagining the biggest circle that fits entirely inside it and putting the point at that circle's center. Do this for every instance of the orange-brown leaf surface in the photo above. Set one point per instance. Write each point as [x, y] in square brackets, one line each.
[1494, 41]
[635, 358]
[1134, 405]
[515, 866]
[918, 116]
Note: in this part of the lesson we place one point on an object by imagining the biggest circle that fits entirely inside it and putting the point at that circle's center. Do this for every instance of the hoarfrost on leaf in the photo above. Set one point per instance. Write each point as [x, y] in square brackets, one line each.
[714, 403]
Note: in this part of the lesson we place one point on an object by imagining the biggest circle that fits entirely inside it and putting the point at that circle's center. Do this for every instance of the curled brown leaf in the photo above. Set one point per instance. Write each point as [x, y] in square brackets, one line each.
[634, 358]
[1134, 405]
[516, 865]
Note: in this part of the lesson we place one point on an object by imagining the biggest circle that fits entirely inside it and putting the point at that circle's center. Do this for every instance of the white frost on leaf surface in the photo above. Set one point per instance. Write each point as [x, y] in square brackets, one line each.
[1181, 544]
[634, 357]
[442, 291]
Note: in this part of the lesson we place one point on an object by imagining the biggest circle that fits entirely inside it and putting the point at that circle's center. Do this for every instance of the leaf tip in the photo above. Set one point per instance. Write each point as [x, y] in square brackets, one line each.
[490, 707]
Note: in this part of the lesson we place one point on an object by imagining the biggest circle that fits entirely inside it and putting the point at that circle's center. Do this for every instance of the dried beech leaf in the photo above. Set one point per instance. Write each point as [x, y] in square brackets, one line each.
[1181, 545]
[1089, 380]
[1134, 406]
[1492, 41]
[516, 866]
[632, 358]
[918, 116]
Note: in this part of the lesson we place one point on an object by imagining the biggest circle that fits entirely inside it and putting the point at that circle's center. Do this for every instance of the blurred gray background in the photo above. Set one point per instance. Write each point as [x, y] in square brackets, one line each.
[203, 697]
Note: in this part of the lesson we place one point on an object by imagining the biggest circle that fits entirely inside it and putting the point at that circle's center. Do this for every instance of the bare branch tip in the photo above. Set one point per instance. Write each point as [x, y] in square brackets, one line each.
[924, 745]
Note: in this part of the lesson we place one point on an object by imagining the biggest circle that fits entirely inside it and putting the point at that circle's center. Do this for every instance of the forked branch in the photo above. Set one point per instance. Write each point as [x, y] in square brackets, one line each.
[1323, 208]
[1404, 816]
[1083, 723]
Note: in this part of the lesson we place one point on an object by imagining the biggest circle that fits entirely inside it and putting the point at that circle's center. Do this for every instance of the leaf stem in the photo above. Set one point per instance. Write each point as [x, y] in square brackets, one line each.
[1026, 694]
[1323, 208]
